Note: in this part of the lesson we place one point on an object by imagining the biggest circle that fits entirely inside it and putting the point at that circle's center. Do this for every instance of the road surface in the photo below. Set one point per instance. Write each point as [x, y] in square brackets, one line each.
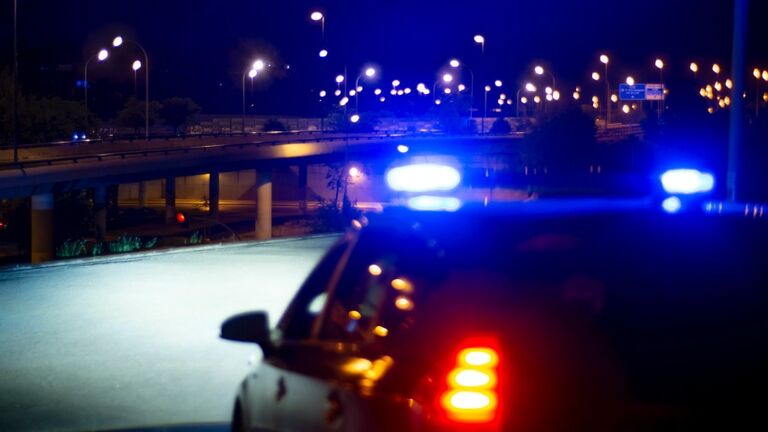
[132, 341]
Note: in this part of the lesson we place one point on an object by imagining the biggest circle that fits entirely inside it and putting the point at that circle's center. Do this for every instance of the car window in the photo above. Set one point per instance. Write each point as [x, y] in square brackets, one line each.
[311, 298]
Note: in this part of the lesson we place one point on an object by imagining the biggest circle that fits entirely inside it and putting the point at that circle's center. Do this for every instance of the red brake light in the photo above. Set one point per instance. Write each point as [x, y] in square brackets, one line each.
[180, 218]
[471, 394]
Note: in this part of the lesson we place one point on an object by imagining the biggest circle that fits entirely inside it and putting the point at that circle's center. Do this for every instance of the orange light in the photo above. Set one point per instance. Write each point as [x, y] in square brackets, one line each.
[471, 395]
[402, 285]
[404, 303]
[478, 357]
[380, 331]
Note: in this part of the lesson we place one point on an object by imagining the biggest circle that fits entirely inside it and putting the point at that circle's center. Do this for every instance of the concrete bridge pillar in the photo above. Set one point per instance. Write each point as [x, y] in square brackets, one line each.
[264, 204]
[100, 206]
[42, 228]
[170, 200]
[303, 188]
[142, 194]
[213, 194]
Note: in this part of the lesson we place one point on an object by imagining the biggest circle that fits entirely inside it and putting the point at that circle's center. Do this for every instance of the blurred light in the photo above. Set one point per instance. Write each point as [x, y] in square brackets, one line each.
[316, 16]
[438, 102]
[630, 80]
[537, 99]
[530, 87]
[402, 148]
[380, 331]
[395, 83]
[136, 65]
[354, 315]
[434, 203]
[359, 89]
[117, 41]
[402, 285]
[407, 90]
[556, 95]
[765, 75]
[447, 78]
[729, 83]
[374, 270]
[323, 93]
[454, 63]
[404, 303]
[103, 54]
[354, 172]
[497, 83]
[337, 93]
[479, 39]
[539, 70]
[718, 86]
[500, 101]
[339, 79]
[370, 72]
[659, 64]
[420, 87]
[402, 92]
[595, 76]
[181, 217]
[502, 96]
[393, 92]
[377, 92]
[475, 378]
[576, 95]
[478, 357]
[447, 91]
[687, 181]
[672, 204]
[258, 65]
[344, 101]
[462, 87]
[252, 73]
[614, 98]
[487, 88]
[323, 53]
[694, 67]
[382, 99]
[625, 108]
[548, 98]
[423, 177]
[524, 100]
[716, 68]
[604, 59]
[548, 90]
[595, 99]
[727, 100]
[756, 73]
[352, 93]
[354, 118]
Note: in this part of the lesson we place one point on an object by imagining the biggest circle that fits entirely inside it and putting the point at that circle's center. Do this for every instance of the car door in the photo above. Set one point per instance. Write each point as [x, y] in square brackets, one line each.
[276, 391]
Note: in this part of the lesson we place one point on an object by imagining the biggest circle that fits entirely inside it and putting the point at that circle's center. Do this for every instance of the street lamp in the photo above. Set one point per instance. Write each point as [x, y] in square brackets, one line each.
[605, 60]
[100, 56]
[455, 63]
[480, 39]
[539, 70]
[119, 41]
[694, 68]
[135, 66]
[251, 72]
[485, 106]
[630, 80]
[660, 66]
[369, 73]
[318, 16]
[529, 87]
[716, 68]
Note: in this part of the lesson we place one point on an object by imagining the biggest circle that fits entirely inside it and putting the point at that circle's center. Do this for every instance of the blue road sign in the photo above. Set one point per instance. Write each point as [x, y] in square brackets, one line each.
[632, 92]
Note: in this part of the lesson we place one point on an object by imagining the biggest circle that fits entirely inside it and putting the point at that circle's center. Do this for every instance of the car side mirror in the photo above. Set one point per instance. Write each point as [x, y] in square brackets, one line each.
[248, 327]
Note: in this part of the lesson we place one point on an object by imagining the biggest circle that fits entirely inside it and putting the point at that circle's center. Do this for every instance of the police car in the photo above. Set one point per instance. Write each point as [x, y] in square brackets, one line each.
[534, 316]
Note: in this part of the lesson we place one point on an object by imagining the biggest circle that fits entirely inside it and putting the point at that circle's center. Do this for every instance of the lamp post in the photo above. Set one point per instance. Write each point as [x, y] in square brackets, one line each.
[118, 41]
[15, 120]
[480, 39]
[369, 73]
[319, 16]
[447, 78]
[254, 70]
[135, 66]
[485, 105]
[455, 63]
[101, 56]
[660, 66]
[605, 60]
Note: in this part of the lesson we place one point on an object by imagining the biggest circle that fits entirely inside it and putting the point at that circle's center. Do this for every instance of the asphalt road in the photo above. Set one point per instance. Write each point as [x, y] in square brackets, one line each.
[132, 341]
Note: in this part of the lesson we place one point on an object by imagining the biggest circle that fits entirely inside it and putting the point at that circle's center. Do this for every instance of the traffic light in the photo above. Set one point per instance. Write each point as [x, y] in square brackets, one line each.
[182, 219]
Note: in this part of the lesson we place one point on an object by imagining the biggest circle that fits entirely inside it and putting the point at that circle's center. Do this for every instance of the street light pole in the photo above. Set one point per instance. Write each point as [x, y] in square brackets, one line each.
[116, 42]
[15, 120]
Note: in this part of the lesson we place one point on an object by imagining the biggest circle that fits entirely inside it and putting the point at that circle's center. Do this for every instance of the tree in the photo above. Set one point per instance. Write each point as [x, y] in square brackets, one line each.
[179, 112]
[564, 142]
[133, 114]
[500, 127]
[41, 119]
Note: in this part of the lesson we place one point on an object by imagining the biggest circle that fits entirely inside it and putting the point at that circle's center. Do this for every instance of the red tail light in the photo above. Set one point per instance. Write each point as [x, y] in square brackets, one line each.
[471, 394]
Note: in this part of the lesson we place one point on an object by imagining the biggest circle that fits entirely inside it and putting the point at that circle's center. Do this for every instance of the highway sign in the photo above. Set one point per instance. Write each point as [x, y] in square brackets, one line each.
[632, 92]
[654, 91]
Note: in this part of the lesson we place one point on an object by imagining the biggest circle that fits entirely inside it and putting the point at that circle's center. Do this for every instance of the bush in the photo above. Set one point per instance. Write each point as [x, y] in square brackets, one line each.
[501, 127]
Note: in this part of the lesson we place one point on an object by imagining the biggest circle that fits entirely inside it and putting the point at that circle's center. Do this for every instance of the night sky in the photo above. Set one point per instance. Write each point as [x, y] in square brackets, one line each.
[200, 48]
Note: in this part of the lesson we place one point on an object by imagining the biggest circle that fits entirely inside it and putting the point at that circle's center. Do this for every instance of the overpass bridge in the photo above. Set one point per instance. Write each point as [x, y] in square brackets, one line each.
[45, 170]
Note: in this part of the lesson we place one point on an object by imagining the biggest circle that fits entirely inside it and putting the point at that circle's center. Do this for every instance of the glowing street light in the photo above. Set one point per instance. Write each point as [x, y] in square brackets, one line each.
[136, 65]
[354, 119]
[258, 65]
[530, 87]
[118, 41]
[369, 72]
[480, 39]
[630, 80]
[100, 56]
[498, 83]
[539, 70]
[716, 68]
[318, 16]
[595, 76]
[604, 59]
[694, 68]
[323, 53]
[395, 83]
[339, 79]
[103, 55]
[454, 63]
[252, 73]
[447, 78]
[659, 64]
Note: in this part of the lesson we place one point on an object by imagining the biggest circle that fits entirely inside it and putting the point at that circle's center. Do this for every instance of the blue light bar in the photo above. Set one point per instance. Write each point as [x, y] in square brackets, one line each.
[423, 178]
[434, 203]
[687, 181]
